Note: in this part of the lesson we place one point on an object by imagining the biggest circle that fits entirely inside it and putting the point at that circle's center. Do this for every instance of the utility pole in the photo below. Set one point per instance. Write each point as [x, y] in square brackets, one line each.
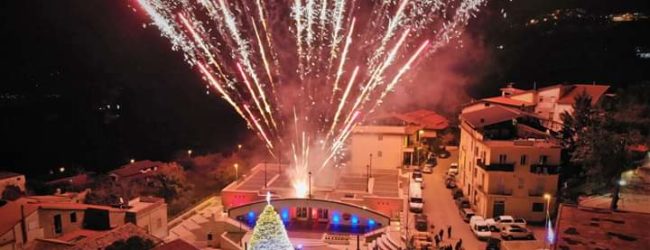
[265, 180]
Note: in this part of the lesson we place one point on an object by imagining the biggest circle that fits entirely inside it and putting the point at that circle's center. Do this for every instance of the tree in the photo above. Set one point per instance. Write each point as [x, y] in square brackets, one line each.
[269, 232]
[12, 193]
[132, 243]
[595, 151]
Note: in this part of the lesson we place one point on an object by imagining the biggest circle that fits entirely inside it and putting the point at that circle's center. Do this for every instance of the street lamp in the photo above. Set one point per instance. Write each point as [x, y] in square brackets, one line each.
[309, 184]
[189, 152]
[236, 171]
[549, 234]
[62, 169]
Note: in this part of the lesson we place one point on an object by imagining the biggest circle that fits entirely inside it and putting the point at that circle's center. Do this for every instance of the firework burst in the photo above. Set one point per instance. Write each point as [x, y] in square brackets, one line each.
[302, 73]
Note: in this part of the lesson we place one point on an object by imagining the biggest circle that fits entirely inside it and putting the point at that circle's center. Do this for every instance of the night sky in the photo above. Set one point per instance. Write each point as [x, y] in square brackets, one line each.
[67, 64]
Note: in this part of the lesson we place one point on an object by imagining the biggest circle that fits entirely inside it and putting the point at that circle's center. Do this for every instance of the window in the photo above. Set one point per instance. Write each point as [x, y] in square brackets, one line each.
[483, 155]
[73, 217]
[301, 212]
[380, 137]
[58, 226]
[543, 159]
[475, 151]
[209, 236]
[503, 158]
[379, 153]
[522, 161]
[538, 207]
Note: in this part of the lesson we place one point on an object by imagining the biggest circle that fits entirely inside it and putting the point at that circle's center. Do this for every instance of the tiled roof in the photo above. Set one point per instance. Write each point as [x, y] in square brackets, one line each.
[595, 91]
[427, 118]
[595, 228]
[177, 244]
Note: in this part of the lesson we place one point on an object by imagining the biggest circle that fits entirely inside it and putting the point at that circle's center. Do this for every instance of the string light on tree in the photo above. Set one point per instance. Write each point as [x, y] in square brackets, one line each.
[269, 231]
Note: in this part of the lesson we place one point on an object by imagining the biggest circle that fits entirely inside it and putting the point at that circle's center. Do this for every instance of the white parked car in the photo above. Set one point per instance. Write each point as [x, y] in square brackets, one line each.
[499, 222]
[453, 169]
[479, 228]
[417, 176]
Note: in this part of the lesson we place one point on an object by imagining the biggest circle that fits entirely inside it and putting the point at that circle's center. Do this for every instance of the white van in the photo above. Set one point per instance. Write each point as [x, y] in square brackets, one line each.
[415, 198]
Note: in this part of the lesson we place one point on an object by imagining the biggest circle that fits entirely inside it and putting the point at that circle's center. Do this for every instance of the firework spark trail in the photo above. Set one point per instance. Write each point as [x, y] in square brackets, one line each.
[393, 24]
[251, 56]
[244, 57]
[343, 99]
[339, 71]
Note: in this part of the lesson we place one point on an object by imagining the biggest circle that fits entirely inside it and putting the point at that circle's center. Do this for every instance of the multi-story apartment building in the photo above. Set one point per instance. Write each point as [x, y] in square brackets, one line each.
[547, 103]
[507, 162]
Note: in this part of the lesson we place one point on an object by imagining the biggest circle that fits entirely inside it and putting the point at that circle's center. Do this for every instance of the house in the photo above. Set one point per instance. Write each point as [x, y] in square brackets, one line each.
[55, 217]
[75, 182]
[579, 228]
[507, 162]
[11, 179]
[389, 141]
[548, 103]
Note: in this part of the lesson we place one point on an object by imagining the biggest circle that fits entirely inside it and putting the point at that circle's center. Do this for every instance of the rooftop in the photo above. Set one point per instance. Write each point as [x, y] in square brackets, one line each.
[177, 244]
[136, 168]
[6, 174]
[595, 228]
[595, 91]
[491, 115]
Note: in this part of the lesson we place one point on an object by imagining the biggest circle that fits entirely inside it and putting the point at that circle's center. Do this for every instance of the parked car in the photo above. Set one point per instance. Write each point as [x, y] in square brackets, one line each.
[450, 183]
[457, 193]
[417, 176]
[462, 203]
[453, 169]
[497, 223]
[421, 222]
[466, 213]
[479, 228]
[493, 244]
[443, 153]
[427, 170]
[431, 162]
[516, 232]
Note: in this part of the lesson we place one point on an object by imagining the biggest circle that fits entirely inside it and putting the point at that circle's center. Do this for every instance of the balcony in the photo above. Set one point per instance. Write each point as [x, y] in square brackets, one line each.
[506, 167]
[544, 169]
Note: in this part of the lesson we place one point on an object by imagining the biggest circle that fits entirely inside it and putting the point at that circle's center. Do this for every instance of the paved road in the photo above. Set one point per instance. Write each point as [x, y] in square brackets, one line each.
[439, 206]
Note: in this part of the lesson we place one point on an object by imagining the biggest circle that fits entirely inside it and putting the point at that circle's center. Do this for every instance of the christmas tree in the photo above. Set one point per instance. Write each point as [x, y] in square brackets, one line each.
[269, 232]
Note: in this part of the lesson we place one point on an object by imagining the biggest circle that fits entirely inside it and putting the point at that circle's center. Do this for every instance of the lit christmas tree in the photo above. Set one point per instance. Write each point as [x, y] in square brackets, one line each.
[269, 232]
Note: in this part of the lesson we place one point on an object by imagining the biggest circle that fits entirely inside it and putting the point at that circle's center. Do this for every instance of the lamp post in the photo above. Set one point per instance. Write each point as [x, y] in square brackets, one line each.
[189, 153]
[236, 171]
[265, 174]
[309, 184]
[370, 167]
[547, 197]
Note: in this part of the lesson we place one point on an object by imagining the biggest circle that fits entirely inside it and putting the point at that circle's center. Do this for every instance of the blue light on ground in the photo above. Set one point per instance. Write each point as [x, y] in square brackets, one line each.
[371, 222]
[251, 215]
[335, 218]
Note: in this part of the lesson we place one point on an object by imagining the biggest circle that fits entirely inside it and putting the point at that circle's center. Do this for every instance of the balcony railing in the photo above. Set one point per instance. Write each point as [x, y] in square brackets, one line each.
[507, 167]
[544, 169]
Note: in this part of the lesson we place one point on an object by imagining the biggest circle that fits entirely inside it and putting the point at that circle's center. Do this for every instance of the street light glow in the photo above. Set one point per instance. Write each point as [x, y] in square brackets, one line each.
[547, 196]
